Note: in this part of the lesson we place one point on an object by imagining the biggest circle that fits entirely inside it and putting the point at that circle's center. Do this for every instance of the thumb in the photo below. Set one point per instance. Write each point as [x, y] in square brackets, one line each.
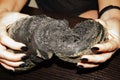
[11, 17]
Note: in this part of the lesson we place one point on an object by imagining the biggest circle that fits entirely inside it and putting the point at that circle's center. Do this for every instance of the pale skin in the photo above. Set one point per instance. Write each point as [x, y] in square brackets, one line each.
[9, 10]
[111, 21]
[9, 14]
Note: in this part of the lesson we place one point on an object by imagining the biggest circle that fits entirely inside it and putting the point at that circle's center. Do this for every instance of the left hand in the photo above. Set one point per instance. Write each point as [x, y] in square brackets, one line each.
[107, 49]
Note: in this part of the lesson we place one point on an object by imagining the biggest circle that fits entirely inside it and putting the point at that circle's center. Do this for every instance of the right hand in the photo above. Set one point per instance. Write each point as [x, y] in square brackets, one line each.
[9, 59]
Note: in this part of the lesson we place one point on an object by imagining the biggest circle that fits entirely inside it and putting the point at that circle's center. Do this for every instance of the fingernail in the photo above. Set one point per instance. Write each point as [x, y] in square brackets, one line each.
[94, 48]
[22, 65]
[25, 57]
[84, 60]
[80, 66]
[99, 53]
[24, 48]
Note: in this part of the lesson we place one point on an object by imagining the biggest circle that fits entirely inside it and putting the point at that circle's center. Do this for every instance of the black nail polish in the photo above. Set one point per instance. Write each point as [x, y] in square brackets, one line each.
[94, 48]
[25, 57]
[84, 60]
[24, 48]
[22, 65]
[99, 53]
[80, 66]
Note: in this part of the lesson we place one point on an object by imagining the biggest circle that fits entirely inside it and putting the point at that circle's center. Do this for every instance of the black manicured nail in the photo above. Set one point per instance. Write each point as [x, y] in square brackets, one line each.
[94, 48]
[99, 53]
[24, 48]
[22, 65]
[80, 66]
[84, 60]
[25, 57]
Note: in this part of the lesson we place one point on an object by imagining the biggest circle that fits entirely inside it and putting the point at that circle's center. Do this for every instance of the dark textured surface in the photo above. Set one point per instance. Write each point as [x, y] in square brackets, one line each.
[46, 36]
[57, 70]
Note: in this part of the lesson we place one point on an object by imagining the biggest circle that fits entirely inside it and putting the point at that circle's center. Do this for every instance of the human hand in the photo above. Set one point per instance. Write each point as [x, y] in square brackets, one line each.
[8, 58]
[106, 49]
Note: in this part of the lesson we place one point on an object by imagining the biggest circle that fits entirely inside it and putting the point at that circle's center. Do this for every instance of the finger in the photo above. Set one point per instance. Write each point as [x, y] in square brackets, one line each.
[101, 22]
[7, 67]
[86, 65]
[11, 43]
[4, 54]
[4, 22]
[98, 58]
[12, 64]
[105, 47]
[2, 47]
